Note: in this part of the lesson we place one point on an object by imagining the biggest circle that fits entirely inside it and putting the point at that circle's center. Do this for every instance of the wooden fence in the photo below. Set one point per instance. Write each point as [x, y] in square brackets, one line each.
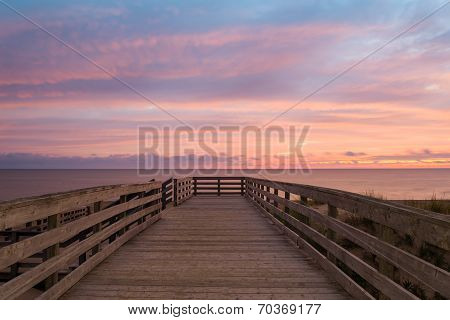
[182, 189]
[72, 249]
[369, 246]
[373, 248]
[167, 193]
[218, 186]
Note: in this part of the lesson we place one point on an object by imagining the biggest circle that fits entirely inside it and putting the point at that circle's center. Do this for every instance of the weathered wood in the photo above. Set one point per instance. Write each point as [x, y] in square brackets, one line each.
[61, 287]
[18, 212]
[17, 286]
[432, 228]
[215, 228]
[348, 284]
[382, 283]
[423, 271]
[29, 246]
[208, 242]
[52, 251]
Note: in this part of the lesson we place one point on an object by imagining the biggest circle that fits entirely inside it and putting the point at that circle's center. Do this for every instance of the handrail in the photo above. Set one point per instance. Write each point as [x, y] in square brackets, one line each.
[219, 185]
[182, 189]
[167, 193]
[373, 248]
[394, 272]
[70, 250]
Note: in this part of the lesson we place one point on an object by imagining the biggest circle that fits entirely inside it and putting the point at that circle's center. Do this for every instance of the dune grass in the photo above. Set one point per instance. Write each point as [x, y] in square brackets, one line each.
[433, 204]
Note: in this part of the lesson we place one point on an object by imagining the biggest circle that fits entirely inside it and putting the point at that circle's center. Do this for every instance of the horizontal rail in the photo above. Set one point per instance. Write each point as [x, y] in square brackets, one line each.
[183, 189]
[420, 224]
[18, 212]
[167, 193]
[221, 185]
[73, 248]
[373, 248]
[325, 233]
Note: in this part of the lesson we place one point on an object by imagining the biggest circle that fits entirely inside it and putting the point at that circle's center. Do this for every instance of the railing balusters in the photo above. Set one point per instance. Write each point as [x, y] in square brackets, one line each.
[82, 229]
[328, 231]
[287, 196]
[52, 251]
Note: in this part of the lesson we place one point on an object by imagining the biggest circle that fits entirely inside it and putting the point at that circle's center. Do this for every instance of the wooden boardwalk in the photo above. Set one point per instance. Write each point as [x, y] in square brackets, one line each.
[208, 248]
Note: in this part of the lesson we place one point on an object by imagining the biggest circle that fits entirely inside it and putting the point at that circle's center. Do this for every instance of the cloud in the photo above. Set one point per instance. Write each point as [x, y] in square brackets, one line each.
[115, 161]
[354, 154]
[412, 155]
[225, 63]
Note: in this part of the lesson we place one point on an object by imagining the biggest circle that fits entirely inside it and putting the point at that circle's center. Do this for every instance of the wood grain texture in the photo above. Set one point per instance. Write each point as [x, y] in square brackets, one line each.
[208, 248]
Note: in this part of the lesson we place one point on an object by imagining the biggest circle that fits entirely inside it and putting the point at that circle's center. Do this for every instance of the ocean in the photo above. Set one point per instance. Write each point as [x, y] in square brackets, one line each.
[398, 184]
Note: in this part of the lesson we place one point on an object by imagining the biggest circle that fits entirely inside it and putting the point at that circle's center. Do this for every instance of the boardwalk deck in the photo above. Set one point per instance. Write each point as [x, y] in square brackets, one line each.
[208, 248]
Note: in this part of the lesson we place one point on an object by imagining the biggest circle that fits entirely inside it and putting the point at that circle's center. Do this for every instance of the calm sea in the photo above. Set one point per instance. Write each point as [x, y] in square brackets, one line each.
[391, 183]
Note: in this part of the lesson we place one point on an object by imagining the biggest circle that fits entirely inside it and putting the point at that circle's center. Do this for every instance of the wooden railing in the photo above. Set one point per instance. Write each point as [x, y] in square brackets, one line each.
[167, 193]
[182, 189]
[373, 248]
[218, 186]
[66, 252]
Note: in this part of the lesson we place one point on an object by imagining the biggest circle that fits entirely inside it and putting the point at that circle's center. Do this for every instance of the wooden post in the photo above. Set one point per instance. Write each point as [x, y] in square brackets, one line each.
[275, 192]
[304, 201]
[96, 208]
[175, 192]
[332, 212]
[218, 186]
[14, 269]
[123, 199]
[388, 235]
[287, 196]
[195, 186]
[52, 223]
[242, 186]
[82, 258]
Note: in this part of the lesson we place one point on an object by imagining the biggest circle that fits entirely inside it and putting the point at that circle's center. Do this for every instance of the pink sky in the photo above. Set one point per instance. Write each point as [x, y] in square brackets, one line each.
[393, 110]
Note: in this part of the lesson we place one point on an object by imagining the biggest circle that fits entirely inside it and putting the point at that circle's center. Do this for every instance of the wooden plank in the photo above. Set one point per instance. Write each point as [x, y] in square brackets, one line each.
[431, 227]
[17, 286]
[221, 188]
[72, 278]
[18, 212]
[345, 281]
[199, 179]
[222, 193]
[53, 250]
[370, 274]
[25, 248]
[200, 183]
[423, 271]
[208, 241]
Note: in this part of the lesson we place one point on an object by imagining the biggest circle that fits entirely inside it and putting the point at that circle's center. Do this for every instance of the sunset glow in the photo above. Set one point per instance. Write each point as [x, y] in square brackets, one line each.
[222, 64]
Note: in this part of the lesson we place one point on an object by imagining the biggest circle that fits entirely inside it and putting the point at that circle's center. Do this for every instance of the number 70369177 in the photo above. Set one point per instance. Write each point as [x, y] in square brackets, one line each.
[276, 308]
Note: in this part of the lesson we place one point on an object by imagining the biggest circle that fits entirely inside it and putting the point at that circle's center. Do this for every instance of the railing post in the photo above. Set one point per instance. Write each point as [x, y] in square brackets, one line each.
[96, 208]
[304, 200]
[287, 196]
[242, 186]
[332, 212]
[275, 192]
[52, 251]
[14, 272]
[218, 186]
[175, 192]
[195, 186]
[388, 235]
[123, 199]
